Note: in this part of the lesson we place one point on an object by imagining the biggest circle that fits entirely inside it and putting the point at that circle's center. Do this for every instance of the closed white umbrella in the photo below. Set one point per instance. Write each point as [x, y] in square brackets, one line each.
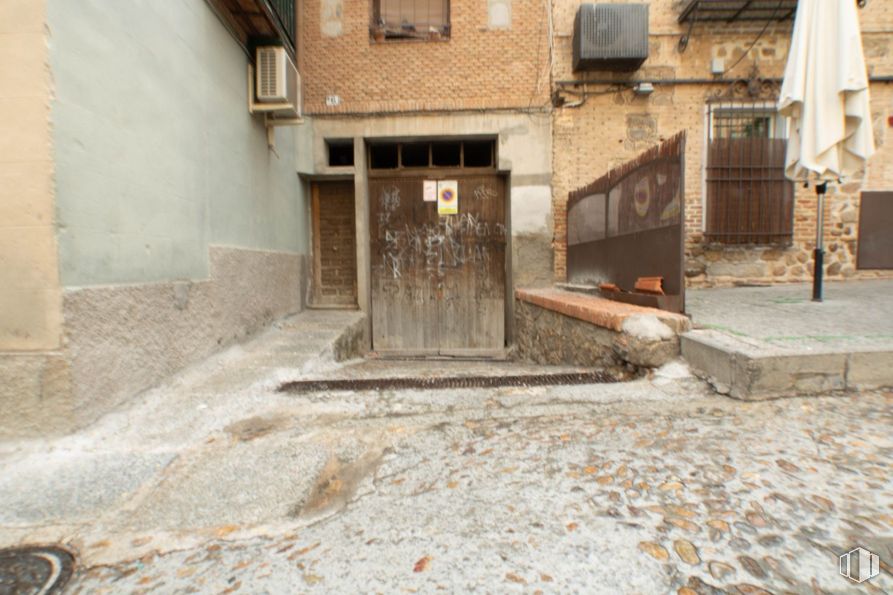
[825, 97]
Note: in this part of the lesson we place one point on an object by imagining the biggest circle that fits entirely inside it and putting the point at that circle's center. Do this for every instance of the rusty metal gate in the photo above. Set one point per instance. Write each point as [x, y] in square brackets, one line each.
[438, 282]
[628, 224]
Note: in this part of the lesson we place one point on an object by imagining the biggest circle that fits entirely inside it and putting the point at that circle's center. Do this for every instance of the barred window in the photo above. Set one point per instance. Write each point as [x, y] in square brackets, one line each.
[749, 200]
[411, 19]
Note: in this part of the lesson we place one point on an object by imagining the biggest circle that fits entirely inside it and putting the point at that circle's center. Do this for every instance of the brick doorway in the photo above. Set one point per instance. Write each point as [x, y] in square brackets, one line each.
[334, 282]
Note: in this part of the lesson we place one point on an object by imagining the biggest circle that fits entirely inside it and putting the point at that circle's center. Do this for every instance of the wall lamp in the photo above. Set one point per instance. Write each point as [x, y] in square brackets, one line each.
[643, 89]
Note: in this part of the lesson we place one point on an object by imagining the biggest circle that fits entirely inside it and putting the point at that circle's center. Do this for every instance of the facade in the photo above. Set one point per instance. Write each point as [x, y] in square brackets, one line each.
[145, 222]
[150, 219]
[399, 88]
[599, 125]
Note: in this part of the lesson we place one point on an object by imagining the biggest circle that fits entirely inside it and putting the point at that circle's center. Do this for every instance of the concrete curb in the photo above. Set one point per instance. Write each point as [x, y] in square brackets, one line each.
[746, 370]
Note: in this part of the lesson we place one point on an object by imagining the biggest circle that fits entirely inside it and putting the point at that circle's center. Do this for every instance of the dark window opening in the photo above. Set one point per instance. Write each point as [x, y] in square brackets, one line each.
[414, 154]
[340, 153]
[430, 154]
[410, 19]
[384, 156]
[446, 154]
[478, 153]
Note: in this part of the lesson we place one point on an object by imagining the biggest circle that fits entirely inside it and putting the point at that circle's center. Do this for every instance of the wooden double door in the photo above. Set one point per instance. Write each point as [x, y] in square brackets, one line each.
[438, 281]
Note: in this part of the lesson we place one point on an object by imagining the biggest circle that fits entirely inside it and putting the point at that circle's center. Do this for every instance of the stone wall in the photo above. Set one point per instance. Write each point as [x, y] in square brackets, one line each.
[546, 336]
[613, 125]
[716, 265]
[35, 394]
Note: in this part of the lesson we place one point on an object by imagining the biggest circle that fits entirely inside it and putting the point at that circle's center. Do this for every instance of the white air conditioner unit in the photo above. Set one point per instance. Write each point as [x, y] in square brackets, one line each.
[277, 83]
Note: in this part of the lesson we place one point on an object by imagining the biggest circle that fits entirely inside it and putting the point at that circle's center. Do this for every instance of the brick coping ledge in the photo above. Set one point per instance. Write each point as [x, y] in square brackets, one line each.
[596, 310]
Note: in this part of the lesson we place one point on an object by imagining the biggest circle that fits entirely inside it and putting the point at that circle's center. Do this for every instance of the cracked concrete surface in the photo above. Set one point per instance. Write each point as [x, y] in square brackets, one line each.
[217, 483]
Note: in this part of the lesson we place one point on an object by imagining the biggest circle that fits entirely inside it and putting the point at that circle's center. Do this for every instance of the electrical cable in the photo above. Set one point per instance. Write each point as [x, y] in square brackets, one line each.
[765, 27]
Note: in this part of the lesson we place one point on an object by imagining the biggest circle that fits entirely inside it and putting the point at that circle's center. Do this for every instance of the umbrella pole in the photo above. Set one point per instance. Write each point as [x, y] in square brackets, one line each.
[819, 254]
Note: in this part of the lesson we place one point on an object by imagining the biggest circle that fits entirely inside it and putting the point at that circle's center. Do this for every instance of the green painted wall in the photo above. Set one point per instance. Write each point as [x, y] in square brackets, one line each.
[156, 154]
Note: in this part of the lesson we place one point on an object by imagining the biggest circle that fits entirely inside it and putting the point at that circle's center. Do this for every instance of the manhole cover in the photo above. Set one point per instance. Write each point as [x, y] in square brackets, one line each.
[34, 570]
[361, 384]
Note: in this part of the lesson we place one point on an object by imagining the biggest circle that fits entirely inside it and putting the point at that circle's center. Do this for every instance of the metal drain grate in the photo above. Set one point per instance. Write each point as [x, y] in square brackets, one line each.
[432, 383]
[43, 570]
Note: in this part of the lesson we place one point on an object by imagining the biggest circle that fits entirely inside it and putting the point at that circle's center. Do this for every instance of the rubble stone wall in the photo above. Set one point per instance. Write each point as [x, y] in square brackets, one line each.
[544, 336]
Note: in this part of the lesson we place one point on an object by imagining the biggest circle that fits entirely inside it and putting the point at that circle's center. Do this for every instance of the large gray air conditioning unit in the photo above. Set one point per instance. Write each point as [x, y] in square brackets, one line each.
[610, 36]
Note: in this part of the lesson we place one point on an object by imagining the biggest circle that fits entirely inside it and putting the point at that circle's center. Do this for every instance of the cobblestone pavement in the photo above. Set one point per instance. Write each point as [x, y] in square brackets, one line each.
[650, 486]
[703, 498]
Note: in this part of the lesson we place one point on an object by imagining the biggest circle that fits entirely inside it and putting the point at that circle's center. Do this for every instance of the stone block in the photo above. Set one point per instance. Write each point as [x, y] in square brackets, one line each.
[705, 353]
[733, 367]
[868, 370]
[737, 269]
[756, 378]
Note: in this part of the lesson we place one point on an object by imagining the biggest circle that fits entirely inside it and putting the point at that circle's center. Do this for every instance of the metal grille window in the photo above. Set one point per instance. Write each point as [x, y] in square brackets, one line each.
[285, 13]
[412, 19]
[749, 200]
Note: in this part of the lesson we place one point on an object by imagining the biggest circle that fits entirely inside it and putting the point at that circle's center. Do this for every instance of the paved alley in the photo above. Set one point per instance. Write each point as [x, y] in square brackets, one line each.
[218, 483]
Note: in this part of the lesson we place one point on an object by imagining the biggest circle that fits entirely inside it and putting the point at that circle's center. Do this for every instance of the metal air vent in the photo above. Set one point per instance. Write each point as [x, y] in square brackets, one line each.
[277, 77]
[610, 36]
[268, 86]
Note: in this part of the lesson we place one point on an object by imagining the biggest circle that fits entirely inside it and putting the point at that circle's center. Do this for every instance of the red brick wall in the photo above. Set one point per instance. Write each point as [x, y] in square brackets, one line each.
[476, 68]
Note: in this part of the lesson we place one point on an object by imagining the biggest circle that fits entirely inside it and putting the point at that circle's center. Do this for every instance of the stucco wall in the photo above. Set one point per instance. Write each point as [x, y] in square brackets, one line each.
[178, 230]
[30, 303]
[156, 154]
[613, 126]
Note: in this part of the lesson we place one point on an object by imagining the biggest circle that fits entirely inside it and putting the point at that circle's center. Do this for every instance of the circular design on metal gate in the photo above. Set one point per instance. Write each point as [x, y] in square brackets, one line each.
[35, 570]
[642, 197]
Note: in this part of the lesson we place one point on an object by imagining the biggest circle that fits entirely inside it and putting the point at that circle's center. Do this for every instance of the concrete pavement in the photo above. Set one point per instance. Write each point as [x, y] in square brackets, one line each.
[766, 342]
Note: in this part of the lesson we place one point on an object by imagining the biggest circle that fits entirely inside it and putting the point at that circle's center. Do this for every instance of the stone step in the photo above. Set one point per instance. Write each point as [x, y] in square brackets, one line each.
[749, 369]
